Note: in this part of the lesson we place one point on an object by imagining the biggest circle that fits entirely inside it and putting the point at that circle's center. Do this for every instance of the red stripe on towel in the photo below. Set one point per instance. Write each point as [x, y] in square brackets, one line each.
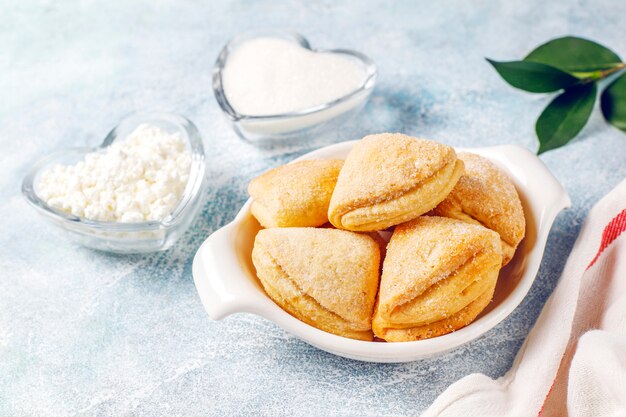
[610, 233]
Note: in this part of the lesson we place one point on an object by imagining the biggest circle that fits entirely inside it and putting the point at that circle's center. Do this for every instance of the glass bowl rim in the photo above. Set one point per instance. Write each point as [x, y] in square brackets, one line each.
[371, 74]
[189, 196]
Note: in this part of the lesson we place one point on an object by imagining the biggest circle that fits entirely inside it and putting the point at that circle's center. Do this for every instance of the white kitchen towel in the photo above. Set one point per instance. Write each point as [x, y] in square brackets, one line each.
[573, 362]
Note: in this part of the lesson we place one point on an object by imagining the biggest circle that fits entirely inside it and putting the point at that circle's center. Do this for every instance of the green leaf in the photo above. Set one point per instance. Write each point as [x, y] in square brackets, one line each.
[613, 103]
[533, 77]
[565, 116]
[573, 54]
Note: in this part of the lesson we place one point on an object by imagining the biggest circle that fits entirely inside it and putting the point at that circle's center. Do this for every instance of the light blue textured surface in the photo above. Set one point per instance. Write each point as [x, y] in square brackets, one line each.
[88, 333]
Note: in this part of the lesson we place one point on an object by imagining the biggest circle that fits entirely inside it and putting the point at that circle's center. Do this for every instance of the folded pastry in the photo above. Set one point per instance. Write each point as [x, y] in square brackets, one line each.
[390, 178]
[438, 275]
[327, 278]
[485, 195]
[294, 195]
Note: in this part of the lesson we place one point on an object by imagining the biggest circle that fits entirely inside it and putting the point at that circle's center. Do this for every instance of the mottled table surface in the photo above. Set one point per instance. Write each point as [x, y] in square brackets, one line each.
[89, 333]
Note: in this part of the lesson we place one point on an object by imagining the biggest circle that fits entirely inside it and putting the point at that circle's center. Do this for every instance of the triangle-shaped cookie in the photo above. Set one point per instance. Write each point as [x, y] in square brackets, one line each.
[296, 194]
[435, 268]
[485, 195]
[391, 178]
[327, 278]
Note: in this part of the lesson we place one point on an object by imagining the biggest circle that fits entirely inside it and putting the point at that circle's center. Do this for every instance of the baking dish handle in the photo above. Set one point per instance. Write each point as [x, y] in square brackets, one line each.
[218, 274]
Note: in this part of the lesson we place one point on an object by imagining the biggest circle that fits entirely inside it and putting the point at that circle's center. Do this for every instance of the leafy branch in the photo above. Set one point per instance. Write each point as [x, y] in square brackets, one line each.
[575, 66]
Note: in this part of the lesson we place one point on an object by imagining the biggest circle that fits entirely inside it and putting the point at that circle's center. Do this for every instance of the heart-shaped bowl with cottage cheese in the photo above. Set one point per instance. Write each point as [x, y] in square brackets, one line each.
[126, 237]
[303, 123]
[226, 280]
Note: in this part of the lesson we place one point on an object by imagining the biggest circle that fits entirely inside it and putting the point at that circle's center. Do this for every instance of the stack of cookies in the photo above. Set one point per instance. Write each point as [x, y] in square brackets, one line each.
[454, 220]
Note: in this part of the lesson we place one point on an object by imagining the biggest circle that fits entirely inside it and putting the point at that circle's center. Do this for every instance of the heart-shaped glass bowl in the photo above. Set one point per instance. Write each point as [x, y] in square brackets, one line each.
[300, 124]
[226, 279]
[117, 237]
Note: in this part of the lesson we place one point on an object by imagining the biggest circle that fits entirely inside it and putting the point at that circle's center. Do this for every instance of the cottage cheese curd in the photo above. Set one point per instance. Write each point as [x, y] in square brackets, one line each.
[141, 178]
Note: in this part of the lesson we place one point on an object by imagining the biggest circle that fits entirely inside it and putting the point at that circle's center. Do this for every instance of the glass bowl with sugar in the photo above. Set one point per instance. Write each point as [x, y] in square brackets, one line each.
[272, 85]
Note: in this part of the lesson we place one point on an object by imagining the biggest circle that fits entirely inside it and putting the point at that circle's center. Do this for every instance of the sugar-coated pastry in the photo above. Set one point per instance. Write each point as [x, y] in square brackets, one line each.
[485, 195]
[391, 178]
[294, 195]
[377, 236]
[438, 275]
[327, 278]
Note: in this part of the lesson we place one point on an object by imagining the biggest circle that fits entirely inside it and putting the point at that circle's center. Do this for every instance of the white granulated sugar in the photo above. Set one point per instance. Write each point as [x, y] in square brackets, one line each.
[266, 76]
[140, 178]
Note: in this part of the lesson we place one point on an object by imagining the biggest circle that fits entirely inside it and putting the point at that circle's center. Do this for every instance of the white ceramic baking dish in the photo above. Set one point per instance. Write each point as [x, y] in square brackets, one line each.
[226, 280]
